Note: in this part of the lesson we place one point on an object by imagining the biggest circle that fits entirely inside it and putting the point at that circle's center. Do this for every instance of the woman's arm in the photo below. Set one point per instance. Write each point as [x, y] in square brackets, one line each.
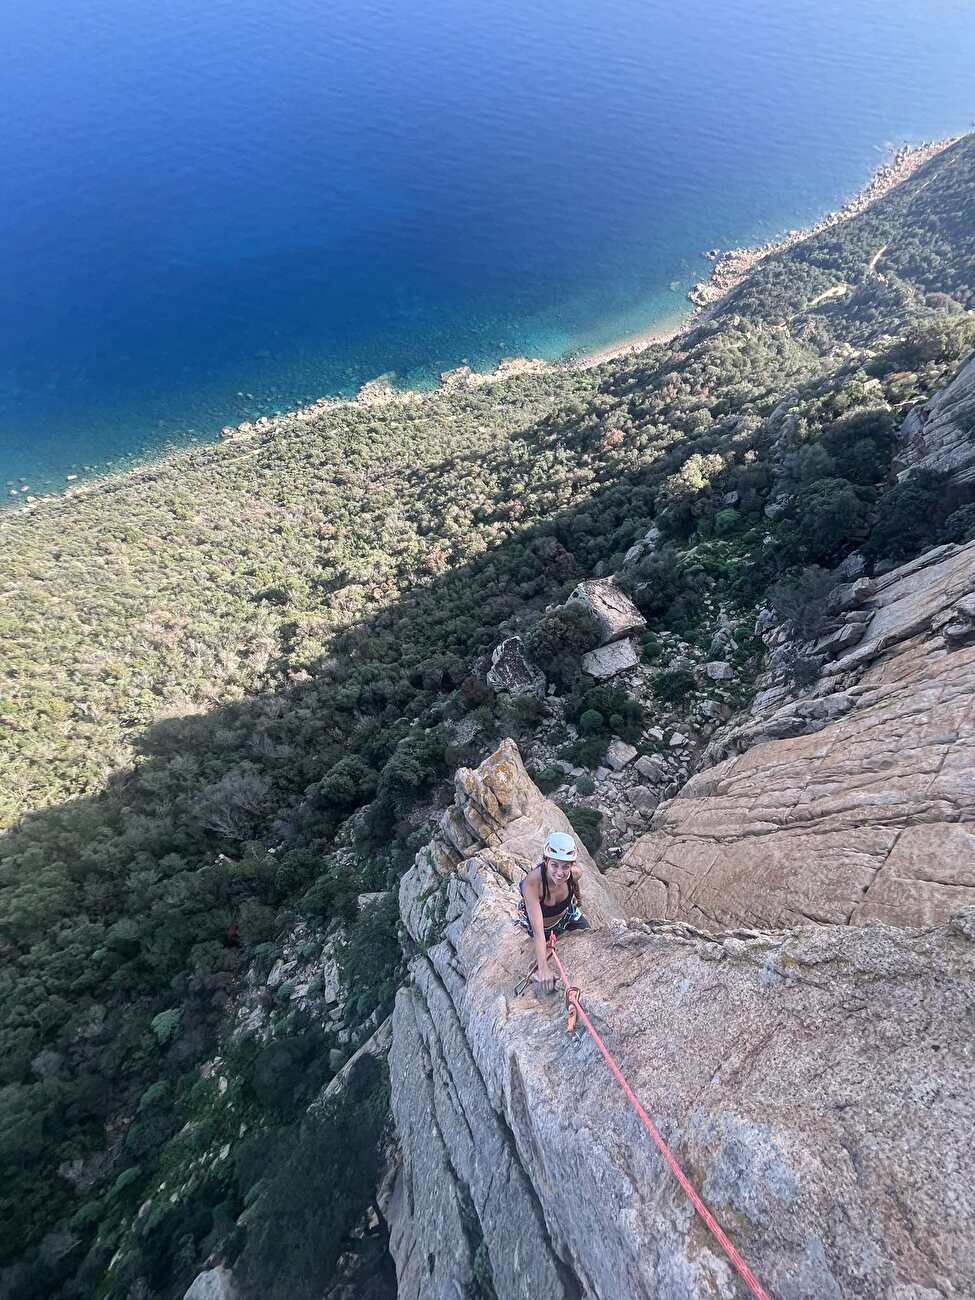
[533, 907]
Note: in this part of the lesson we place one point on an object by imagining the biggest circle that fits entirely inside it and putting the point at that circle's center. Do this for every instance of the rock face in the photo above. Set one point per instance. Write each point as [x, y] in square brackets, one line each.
[941, 434]
[512, 670]
[612, 609]
[816, 1085]
[863, 810]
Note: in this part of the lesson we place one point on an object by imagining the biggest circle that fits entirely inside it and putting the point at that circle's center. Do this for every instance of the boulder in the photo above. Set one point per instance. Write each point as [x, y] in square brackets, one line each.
[608, 660]
[612, 609]
[619, 753]
[719, 671]
[511, 670]
[840, 640]
[644, 798]
[654, 769]
[214, 1284]
[850, 595]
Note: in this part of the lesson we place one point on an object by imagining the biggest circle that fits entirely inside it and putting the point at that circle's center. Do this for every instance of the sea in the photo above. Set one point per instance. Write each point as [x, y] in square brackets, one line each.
[215, 211]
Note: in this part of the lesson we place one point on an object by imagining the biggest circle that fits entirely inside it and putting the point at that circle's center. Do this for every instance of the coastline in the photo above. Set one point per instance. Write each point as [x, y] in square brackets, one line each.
[729, 269]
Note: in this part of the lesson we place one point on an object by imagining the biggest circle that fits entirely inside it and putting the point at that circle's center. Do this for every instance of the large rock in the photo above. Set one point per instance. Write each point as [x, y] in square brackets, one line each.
[608, 660]
[861, 809]
[214, 1284]
[816, 1085]
[512, 670]
[612, 609]
[941, 434]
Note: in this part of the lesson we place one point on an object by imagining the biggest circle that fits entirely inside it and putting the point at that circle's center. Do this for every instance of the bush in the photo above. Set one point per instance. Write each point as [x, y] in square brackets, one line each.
[559, 639]
[910, 516]
[960, 525]
[673, 686]
[801, 600]
[591, 721]
[586, 823]
[830, 517]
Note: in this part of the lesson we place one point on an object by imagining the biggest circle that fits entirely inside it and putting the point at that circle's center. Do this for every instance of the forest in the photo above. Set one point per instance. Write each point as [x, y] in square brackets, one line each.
[235, 687]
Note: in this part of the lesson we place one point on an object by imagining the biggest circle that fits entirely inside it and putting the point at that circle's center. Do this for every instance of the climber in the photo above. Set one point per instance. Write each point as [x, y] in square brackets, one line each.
[550, 898]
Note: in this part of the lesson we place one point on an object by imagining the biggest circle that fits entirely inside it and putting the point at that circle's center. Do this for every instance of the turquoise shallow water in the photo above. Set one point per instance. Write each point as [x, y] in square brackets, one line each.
[214, 212]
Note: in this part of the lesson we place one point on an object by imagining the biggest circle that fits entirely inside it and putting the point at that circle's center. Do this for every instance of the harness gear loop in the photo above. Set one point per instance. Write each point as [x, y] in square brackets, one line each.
[734, 1258]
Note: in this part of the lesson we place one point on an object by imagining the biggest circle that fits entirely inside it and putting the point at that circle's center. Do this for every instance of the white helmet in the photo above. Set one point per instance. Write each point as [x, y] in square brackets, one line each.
[560, 847]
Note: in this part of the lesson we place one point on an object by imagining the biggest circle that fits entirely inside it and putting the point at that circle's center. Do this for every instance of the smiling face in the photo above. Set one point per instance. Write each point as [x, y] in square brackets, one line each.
[559, 872]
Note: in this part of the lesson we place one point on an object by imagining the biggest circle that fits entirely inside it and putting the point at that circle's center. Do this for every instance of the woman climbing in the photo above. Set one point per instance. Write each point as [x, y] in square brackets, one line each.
[550, 898]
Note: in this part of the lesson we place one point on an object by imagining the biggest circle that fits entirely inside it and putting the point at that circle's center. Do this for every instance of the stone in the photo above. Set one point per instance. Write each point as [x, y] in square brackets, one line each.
[643, 798]
[609, 660]
[850, 595]
[513, 671]
[654, 769]
[719, 671]
[213, 1284]
[716, 709]
[840, 640]
[336, 1059]
[677, 739]
[619, 753]
[366, 901]
[853, 566]
[612, 609]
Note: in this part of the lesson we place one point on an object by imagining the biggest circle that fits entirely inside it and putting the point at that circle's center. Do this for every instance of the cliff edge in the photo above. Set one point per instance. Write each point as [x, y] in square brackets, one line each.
[816, 1085]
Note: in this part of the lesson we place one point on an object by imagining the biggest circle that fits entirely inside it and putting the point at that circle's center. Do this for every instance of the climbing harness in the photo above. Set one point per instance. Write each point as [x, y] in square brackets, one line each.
[575, 1010]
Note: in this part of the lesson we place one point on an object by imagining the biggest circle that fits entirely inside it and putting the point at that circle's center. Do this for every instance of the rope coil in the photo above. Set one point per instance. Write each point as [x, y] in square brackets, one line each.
[575, 1008]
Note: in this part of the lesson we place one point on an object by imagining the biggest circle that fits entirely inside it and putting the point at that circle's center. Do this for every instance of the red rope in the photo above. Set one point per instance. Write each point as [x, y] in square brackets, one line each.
[747, 1276]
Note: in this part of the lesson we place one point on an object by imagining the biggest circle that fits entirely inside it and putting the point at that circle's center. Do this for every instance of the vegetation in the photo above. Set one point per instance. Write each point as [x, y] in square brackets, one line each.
[234, 687]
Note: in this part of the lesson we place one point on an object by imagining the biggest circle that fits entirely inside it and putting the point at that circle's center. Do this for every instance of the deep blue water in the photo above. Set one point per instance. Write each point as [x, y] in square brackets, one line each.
[213, 211]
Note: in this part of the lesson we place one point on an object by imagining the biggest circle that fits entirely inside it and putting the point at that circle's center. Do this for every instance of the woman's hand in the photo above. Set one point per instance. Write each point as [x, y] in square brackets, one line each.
[544, 979]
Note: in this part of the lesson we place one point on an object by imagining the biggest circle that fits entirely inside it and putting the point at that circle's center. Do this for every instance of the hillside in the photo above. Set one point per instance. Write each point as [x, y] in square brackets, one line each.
[236, 687]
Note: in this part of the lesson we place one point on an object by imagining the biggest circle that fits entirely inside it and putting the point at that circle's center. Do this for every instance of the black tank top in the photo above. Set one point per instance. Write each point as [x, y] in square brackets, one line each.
[555, 909]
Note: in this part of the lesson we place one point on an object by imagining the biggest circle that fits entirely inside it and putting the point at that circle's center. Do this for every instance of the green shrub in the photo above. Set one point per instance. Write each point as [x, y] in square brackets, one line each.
[960, 525]
[910, 516]
[673, 686]
[591, 721]
[586, 823]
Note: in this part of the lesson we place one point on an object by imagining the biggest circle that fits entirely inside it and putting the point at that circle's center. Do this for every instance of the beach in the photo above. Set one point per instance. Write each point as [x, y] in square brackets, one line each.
[730, 268]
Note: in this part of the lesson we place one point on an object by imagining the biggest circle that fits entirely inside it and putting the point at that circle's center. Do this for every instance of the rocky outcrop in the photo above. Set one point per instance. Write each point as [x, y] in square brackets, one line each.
[497, 826]
[815, 1084]
[512, 671]
[213, 1284]
[852, 805]
[940, 435]
[608, 660]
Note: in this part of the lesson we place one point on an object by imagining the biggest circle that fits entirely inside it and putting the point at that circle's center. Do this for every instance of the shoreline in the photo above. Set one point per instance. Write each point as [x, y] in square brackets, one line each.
[730, 268]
